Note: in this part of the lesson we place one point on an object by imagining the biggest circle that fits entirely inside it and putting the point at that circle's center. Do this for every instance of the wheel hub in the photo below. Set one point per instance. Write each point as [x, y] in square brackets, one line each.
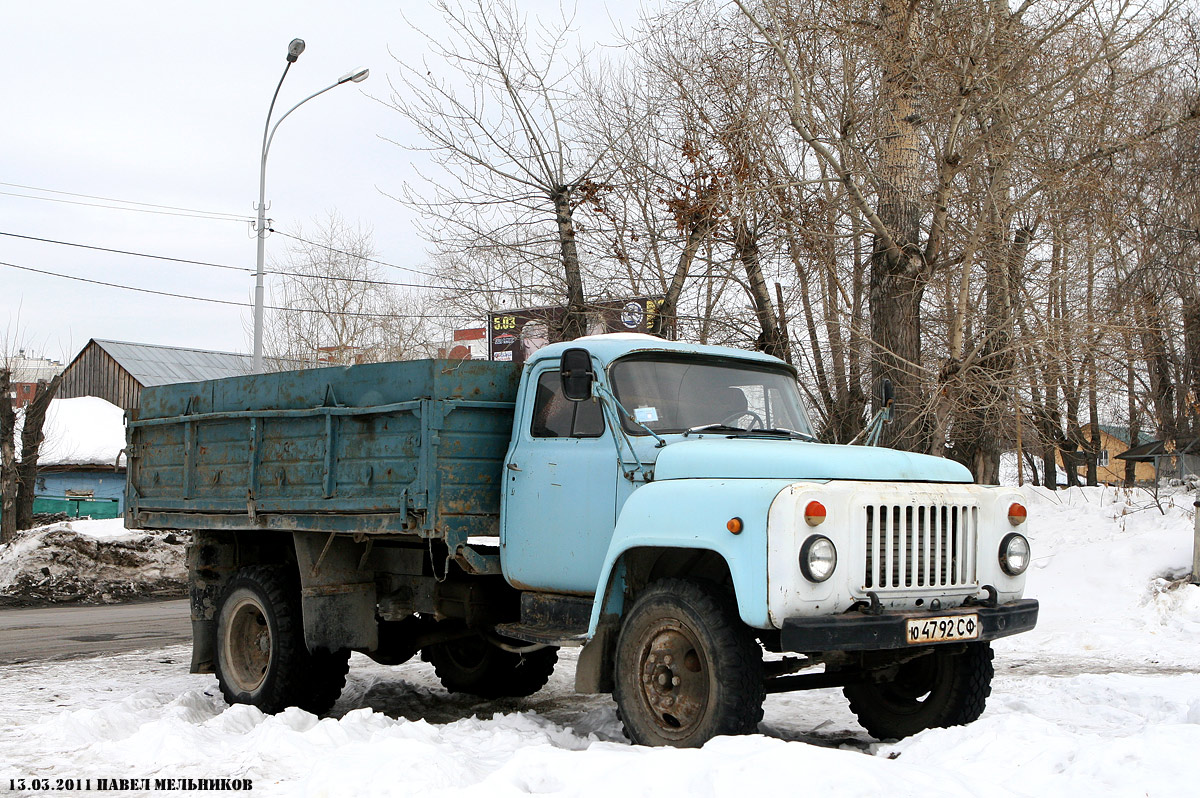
[674, 685]
[248, 643]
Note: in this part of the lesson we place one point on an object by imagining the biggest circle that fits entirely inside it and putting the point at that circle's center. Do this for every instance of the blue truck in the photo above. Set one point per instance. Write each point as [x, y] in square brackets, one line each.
[664, 506]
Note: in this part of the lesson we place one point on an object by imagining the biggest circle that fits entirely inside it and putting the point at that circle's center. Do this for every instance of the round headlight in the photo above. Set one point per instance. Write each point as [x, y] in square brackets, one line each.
[1014, 554]
[818, 558]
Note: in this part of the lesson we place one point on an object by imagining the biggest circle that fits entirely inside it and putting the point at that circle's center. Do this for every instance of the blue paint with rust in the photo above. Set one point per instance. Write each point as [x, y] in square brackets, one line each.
[763, 458]
[410, 448]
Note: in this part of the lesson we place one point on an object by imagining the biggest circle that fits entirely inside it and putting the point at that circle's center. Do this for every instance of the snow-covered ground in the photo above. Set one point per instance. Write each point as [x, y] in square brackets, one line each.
[1102, 699]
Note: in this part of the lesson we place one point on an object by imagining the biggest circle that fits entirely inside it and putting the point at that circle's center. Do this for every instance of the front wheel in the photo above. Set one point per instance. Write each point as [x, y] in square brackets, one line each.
[687, 669]
[261, 655]
[943, 688]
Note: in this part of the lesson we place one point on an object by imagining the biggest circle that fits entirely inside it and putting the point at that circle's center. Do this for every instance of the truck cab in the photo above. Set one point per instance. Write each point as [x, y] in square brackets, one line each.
[693, 471]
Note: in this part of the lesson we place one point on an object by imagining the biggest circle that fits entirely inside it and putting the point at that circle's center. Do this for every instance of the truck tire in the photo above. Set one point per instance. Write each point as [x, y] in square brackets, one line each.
[687, 669]
[943, 688]
[475, 666]
[262, 659]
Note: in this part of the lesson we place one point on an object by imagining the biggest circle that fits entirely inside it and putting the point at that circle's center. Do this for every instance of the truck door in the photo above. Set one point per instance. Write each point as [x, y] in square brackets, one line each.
[559, 502]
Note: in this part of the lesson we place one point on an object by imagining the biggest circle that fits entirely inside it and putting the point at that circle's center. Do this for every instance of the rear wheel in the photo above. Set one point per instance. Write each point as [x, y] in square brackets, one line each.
[943, 688]
[687, 669]
[261, 655]
[476, 666]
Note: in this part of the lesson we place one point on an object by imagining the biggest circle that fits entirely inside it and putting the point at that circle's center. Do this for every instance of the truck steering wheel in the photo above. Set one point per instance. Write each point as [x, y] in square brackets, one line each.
[740, 414]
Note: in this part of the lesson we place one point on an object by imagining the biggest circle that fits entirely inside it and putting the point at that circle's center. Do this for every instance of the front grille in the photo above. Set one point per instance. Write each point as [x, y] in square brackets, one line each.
[913, 546]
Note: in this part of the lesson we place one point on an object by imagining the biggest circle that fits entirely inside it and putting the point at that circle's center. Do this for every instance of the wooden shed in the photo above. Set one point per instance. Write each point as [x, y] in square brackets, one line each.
[1177, 459]
[116, 371]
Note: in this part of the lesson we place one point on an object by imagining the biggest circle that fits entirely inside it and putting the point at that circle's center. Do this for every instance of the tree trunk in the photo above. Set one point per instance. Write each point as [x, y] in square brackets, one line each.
[1191, 360]
[665, 317]
[771, 340]
[1050, 429]
[1154, 350]
[1089, 370]
[8, 461]
[1135, 420]
[898, 278]
[1093, 463]
[574, 323]
[32, 434]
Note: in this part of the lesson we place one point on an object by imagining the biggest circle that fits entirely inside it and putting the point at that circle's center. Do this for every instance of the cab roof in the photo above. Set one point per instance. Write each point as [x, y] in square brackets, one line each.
[610, 346]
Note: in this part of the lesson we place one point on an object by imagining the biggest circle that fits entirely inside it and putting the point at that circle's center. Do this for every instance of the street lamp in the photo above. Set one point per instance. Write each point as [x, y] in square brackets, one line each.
[295, 48]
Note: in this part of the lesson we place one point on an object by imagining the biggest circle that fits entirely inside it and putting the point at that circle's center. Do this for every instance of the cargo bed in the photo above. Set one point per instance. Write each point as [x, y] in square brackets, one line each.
[412, 448]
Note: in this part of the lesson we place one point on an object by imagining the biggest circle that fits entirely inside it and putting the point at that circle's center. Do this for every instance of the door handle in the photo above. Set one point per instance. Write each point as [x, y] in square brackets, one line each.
[513, 467]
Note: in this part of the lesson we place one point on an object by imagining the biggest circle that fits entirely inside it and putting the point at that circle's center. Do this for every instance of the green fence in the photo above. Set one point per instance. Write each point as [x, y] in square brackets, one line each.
[77, 508]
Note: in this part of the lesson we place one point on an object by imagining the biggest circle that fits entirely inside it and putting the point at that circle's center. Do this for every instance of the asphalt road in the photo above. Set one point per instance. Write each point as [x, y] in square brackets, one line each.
[66, 632]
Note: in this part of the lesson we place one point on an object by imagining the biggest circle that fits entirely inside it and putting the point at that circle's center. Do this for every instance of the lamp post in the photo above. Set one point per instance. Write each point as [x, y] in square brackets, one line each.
[356, 76]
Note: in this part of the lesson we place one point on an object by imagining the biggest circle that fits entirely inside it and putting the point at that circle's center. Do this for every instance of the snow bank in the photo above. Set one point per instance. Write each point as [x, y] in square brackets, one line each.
[1107, 568]
[82, 431]
[93, 562]
[138, 716]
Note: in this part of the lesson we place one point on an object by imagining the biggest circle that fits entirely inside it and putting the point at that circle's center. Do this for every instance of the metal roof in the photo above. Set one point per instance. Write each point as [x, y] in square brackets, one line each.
[150, 364]
[1147, 452]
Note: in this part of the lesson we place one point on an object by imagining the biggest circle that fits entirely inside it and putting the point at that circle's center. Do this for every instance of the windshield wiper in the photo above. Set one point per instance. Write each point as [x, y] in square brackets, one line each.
[791, 433]
[713, 428]
[772, 431]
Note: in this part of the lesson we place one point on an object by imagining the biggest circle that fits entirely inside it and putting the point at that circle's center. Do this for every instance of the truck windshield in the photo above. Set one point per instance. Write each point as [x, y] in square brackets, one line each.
[677, 394]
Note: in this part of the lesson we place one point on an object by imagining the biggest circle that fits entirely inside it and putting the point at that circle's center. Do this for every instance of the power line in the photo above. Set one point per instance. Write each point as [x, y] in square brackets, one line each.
[251, 271]
[226, 301]
[236, 216]
[351, 254]
[128, 252]
[239, 219]
[441, 316]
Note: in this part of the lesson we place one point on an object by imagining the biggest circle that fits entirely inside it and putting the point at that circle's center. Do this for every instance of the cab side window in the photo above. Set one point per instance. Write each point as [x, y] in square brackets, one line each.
[554, 416]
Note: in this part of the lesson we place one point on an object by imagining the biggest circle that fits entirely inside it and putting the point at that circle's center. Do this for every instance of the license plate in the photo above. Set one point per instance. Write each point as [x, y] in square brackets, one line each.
[942, 629]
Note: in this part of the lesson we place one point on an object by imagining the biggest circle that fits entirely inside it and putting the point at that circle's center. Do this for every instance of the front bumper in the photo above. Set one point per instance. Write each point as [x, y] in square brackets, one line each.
[858, 631]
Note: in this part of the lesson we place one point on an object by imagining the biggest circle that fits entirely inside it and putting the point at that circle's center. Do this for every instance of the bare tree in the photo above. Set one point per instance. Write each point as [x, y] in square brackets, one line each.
[496, 106]
[32, 436]
[947, 147]
[8, 460]
[335, 305]
[18, 478]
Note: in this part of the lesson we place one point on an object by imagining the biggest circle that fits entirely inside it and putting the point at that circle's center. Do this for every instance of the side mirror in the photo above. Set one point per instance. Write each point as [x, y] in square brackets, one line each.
[887, 396]
[577, 375]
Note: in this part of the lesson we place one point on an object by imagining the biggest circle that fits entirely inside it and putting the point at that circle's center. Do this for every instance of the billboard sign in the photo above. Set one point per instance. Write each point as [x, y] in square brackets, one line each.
[513, 335]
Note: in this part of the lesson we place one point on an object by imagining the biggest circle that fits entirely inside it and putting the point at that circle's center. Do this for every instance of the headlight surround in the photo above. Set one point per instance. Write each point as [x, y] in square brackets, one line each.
[1014, 554]
[818, 558]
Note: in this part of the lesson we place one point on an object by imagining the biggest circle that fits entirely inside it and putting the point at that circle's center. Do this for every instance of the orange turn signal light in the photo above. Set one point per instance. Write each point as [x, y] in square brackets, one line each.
[734, 526]
[1017, 514]
[814, 514]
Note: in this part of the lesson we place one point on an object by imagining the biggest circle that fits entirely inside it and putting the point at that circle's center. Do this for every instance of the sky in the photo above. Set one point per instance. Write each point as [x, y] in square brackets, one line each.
[163, 103]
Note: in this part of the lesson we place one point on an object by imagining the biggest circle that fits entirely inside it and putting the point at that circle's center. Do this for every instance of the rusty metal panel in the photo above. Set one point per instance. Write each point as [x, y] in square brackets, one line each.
[412, 447]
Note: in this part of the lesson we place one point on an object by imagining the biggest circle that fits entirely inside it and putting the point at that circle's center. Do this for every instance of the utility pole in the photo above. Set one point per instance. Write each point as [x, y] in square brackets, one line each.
[1196, 542]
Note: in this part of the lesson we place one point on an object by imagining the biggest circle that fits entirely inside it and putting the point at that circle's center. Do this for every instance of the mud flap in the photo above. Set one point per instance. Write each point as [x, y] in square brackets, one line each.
[204, 646]
[594, 670]
[211, 562]
[337, 599]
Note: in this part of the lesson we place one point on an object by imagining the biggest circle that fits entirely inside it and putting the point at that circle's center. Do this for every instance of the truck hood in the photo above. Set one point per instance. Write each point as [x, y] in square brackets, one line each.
[757, 458]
